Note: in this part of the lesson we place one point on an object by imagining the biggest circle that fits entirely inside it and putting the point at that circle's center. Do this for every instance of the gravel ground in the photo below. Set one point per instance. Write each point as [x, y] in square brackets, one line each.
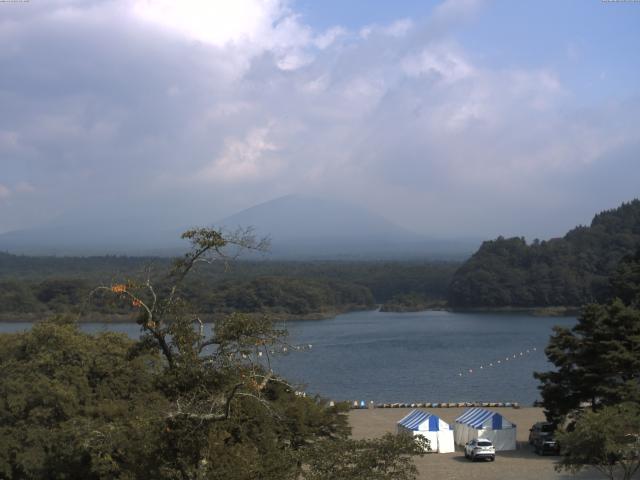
[520, 464]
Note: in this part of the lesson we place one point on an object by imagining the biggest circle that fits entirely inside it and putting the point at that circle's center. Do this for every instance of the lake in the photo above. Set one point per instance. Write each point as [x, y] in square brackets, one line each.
[410, 357]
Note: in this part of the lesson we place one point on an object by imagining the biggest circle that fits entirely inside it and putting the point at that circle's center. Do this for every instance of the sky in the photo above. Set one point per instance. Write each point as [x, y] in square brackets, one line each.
[451, 118]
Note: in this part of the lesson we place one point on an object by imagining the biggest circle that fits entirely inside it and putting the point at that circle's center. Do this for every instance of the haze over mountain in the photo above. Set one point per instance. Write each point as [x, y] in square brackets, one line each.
[299, 227]
[92, 237]
[313, 227]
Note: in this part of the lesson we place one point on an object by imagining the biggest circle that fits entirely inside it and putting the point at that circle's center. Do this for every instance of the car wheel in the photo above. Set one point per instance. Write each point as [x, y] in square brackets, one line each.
[492, 459]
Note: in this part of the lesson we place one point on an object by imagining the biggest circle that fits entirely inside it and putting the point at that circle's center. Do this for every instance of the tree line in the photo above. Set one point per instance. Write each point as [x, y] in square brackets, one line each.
[50, 285]
[568, 271]
[593, 394]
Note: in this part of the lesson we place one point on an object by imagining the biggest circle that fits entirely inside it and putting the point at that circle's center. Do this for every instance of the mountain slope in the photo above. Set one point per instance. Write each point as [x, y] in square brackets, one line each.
[301, 227]
[311, 227]
[569, 271]
[303, 217]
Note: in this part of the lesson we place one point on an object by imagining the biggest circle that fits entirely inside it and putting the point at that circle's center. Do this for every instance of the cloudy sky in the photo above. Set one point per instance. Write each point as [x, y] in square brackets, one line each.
[452, 118]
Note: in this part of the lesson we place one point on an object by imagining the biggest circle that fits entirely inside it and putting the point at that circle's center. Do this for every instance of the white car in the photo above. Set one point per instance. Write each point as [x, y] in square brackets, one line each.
[479, 448]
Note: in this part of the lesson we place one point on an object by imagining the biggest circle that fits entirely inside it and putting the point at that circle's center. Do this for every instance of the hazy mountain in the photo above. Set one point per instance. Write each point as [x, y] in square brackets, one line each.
[299, 227]
[296, 217]
[311, 227]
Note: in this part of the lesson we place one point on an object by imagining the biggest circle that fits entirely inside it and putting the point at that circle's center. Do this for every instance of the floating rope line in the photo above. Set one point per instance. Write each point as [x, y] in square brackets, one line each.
[281, 350]
[497, 363]
[286, 350]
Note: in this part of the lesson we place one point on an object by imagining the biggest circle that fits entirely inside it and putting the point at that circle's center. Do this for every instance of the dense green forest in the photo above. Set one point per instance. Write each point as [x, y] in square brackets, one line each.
[177, 403]
[33, 286]
[567, 271]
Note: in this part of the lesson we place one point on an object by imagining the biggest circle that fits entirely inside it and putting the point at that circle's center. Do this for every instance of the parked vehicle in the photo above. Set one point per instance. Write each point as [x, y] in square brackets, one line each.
[546, 445]
[540, 429]
[479, 448]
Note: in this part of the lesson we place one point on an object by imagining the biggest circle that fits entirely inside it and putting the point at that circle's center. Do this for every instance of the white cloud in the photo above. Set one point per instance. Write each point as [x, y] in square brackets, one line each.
[316, 85]
[327, 38]
[213, 22]
[396, 29]
[236, 102]
[456, 10]
[438, 61]
[250, 27]
[244, 160]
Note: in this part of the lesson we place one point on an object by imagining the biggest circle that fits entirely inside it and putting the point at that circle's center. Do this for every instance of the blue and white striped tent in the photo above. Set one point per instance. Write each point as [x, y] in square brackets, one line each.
[482, 423]
[433, 428]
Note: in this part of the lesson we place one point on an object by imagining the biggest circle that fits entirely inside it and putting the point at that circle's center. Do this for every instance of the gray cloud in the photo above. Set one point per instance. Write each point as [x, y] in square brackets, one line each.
[108, 114]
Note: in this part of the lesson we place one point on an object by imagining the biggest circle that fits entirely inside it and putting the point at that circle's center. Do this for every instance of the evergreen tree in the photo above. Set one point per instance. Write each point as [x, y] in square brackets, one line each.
[608, 440]
[598, 360]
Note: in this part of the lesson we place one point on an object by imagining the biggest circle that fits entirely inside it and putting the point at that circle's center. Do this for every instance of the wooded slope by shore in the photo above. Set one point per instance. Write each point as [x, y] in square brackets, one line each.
[43, 286]
[568, 271]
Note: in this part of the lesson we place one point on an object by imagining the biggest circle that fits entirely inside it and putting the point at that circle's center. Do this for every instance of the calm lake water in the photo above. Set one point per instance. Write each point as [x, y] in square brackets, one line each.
[410, 357]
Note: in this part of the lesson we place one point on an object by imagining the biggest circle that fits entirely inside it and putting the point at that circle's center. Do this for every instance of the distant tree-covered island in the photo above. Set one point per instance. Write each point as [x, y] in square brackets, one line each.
[568, 271]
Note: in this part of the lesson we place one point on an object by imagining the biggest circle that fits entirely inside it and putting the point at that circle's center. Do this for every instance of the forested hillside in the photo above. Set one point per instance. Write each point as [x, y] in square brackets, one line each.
[567, 271]
[32, 287]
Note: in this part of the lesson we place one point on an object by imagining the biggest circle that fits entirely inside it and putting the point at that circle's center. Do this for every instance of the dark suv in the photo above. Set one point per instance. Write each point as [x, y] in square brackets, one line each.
[540, 429]
[546, 445]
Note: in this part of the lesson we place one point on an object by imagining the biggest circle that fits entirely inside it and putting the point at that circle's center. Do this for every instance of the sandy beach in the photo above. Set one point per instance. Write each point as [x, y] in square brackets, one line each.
[521, 464]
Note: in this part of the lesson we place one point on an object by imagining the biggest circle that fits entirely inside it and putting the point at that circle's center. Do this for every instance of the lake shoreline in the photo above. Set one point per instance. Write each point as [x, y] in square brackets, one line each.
[558, 311]
[206, 318]
[554, 311]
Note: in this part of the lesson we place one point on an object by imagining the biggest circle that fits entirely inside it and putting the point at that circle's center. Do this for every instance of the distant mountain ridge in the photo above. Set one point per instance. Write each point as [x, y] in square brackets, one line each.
[308, 227]
[301, 227]
[307, 217]
[568, 271]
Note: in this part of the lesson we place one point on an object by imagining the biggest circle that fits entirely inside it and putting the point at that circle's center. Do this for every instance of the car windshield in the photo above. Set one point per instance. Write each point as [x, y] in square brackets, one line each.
[546, 428]
[484, 444]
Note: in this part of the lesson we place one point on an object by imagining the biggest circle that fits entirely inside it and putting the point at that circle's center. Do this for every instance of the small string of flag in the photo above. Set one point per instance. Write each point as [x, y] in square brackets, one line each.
[498, 363]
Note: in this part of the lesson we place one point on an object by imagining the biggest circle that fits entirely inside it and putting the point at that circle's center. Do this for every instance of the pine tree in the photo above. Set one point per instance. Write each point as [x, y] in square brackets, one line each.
[598, 360]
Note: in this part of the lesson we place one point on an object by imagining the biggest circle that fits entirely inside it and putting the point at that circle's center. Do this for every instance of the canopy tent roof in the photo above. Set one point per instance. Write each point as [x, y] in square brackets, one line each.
[479, 418]
[425, 421]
